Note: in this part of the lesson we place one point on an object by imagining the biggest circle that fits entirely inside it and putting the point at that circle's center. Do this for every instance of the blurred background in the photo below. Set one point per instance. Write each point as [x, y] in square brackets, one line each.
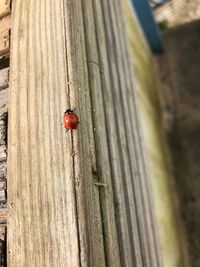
[176, 48]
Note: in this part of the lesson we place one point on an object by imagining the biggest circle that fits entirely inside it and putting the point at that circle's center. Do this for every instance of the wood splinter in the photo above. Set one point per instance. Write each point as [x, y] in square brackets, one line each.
[100, 184]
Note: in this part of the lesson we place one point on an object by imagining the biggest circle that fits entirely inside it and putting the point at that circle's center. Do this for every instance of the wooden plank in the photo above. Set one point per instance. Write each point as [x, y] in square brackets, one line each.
[4, 8]
[88, 206]
[130, 244]
[53, 145]
[42, 214]
[120, 103]
[141, 185]
[109, 79]
[75, 198]
[5, 25]
[103, 171]
[122, 94]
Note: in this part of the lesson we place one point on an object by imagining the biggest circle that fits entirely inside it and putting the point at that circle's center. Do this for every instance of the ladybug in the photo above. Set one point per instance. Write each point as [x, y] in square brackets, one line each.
[70, 120]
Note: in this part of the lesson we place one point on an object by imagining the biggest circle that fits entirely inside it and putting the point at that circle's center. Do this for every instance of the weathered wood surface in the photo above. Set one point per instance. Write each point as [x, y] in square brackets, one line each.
[4, 8]
[5, 24]
[80, 198]
[43, 220]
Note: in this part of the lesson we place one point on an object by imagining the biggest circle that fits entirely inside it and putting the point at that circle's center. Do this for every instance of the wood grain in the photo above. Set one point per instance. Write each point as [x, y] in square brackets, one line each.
[76, 198]
[141, 181]
[85, 165]
[42, 226]
[103, 171]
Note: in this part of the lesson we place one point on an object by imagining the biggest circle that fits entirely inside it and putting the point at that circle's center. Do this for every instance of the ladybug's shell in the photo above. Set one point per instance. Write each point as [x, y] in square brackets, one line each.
[70, 121]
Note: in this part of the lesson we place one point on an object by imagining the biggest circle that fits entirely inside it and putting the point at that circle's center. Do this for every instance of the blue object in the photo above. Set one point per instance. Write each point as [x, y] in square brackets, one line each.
[150, 29]
[156, 3]
[160, 2]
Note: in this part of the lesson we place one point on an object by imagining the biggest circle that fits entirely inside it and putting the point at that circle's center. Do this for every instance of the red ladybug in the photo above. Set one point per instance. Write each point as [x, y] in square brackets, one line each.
[70, 120]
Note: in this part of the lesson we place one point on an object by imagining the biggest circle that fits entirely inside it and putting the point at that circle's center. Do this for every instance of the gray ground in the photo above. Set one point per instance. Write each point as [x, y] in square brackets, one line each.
[180, 77]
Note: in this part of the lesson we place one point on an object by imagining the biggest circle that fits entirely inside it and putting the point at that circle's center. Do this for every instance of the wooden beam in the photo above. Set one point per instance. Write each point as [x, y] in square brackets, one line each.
[43, 220]
[48, 187]
[79, 198]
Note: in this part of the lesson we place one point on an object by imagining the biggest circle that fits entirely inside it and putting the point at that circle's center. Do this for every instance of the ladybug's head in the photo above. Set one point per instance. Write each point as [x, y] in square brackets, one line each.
[68, 111]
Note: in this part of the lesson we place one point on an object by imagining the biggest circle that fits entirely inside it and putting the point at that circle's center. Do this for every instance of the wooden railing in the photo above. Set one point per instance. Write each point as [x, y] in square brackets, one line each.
[81, 198]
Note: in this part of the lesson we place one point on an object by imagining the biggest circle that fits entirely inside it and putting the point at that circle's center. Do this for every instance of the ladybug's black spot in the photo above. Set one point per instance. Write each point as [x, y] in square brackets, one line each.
[68, 111]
